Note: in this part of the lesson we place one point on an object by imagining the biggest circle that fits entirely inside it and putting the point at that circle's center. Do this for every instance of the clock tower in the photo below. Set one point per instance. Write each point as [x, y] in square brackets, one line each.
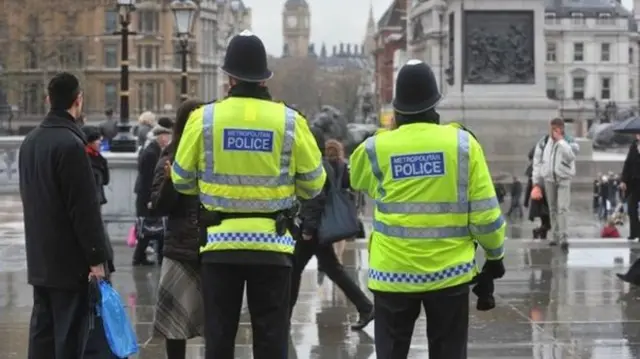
[296, 28]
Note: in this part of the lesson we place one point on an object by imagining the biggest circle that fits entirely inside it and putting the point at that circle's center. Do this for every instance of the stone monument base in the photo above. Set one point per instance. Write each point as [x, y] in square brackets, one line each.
[508, 127]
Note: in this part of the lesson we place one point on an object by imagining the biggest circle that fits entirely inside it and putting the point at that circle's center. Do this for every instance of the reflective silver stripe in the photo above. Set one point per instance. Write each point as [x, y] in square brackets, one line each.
[495, 253]
[247, 205]
[182, 173]
[283, 179]
[420, 232]
[370, 149]
[310, 176]
[463, 166]
[185, 186]
[478, 230]
[437, 207]
[422, 278]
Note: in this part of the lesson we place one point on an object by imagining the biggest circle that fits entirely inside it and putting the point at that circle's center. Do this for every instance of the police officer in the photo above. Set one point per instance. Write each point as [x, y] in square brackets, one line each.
[248, 158]
[434, 196]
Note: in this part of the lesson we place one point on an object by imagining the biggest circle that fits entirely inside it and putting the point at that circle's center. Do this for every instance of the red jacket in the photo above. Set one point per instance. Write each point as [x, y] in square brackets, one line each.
[610, 232]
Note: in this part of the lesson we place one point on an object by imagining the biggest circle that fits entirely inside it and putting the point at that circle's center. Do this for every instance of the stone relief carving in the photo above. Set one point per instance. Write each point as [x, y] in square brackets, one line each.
[498, 47]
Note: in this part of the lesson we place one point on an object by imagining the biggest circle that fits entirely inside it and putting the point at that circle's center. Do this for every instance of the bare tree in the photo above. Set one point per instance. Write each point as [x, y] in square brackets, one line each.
[45, 37]
[340, 88]
[295, 81]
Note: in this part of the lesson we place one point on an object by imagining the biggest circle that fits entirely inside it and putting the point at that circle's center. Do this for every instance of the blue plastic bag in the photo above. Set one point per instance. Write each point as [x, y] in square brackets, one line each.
[117, 328]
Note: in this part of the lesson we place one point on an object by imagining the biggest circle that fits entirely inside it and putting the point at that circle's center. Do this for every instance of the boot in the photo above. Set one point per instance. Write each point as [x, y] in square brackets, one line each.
[633, 274]
[536, 233]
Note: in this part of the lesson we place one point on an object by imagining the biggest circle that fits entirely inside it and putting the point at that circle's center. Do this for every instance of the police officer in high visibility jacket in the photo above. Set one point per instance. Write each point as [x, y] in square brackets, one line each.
[434, 197]
[248, 158]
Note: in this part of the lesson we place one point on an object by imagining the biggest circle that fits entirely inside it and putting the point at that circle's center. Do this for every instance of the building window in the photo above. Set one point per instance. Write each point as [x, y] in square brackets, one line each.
[631, 55]
[605, 51]
[110, 21]
[552, 52]
[578, 51]
[552, 88]
[148, 96]
[33, 98]
[632, 89]
[577, 18]
[148, 21]
[550, 18]
[605, 88]
[70, 55]
[110, 95]
[578, 88]
[148, 56]
[110, 56]
[605, 19]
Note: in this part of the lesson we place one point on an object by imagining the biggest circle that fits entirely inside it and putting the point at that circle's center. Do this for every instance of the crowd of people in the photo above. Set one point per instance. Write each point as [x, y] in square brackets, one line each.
[228, 227]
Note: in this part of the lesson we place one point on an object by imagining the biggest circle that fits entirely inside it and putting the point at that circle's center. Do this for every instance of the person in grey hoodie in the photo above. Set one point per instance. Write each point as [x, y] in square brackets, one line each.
[554, 167]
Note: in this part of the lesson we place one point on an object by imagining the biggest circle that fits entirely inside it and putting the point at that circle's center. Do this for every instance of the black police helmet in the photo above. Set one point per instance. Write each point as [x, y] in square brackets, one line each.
[246, 58]
[416, 89]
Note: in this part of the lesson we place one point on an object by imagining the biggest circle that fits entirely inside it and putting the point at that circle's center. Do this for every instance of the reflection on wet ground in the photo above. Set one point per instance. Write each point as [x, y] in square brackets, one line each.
[550, 305]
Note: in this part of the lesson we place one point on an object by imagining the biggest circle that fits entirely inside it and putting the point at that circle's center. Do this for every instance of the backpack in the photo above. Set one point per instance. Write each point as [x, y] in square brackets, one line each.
[543, 143]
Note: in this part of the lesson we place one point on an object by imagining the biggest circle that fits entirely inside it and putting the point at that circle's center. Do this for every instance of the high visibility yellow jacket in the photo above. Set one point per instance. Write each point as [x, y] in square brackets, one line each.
[434, 197]
[247, 155]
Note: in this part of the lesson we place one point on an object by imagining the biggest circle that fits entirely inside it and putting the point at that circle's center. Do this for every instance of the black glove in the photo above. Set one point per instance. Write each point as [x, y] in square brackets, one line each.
[484, 290]
[495, 268]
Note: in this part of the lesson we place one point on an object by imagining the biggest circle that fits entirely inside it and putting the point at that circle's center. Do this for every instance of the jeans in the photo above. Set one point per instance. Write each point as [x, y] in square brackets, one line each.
[559, 198]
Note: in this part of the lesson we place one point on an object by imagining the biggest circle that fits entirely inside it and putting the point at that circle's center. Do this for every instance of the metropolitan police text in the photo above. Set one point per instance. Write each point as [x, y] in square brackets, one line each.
[429, 164]
[248, 140]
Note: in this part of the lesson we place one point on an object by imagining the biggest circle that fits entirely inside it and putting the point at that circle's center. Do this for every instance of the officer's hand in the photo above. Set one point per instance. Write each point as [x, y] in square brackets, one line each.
[622, 186]
[167, 168]
[96, 272]
[495, 268]
[306, 236]
[536, 193]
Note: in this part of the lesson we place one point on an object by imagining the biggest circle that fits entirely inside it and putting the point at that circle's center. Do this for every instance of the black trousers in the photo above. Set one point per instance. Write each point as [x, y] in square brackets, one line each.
[447, 323]
[58, 323]
[634, 224]
[268, 299]
[330, 265]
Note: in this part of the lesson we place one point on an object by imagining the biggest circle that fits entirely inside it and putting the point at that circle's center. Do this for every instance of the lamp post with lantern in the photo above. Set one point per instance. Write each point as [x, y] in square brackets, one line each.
[124, 140]
[184, 12]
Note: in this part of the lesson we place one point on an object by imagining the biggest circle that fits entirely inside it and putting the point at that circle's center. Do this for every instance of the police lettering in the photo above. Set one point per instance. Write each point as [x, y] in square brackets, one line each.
[418, 165]
[247, 140]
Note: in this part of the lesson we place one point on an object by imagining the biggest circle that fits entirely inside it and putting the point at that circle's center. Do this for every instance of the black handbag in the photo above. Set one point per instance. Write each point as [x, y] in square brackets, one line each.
[150, 227]
[339, 219]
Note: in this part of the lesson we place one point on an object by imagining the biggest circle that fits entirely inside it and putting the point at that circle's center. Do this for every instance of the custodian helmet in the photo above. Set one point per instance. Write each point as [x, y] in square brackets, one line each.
[416, 89]
[246, 58]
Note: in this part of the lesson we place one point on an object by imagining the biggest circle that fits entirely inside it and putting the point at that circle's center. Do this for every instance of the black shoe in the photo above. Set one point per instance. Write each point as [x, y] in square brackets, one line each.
[564, 246]
[145, 262]
[536, 233]
[364, 320]
[632, 238]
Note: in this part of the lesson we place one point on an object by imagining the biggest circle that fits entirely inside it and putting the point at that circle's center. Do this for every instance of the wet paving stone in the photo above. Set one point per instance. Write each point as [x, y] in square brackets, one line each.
[550, 305]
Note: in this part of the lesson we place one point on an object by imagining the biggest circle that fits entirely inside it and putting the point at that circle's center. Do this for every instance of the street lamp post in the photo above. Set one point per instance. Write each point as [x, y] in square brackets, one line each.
[441, 8]
[124, 141]
[184, 12]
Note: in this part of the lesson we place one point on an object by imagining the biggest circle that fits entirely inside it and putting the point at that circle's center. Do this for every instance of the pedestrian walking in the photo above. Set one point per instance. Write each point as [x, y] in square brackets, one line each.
[434, 199]
[311, 214]
[515, 207]
[64, 234]
[179, 309]
[554, 165]
[150, 227]
[109, 127]
[101, 176]
[630, 184]
[248, 157]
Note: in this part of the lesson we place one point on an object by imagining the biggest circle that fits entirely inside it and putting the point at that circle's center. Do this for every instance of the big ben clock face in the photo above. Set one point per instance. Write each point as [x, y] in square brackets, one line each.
[292, 21]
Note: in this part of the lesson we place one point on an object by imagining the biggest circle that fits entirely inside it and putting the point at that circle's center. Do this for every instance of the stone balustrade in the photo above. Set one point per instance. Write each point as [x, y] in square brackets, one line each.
[119, 212]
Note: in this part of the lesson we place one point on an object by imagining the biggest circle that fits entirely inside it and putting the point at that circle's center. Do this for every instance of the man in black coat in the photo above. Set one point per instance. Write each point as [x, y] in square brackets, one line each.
[64, 235]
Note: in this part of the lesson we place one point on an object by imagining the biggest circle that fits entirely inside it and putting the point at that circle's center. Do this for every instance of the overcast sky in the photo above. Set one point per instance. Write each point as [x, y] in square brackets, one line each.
[332, 21]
